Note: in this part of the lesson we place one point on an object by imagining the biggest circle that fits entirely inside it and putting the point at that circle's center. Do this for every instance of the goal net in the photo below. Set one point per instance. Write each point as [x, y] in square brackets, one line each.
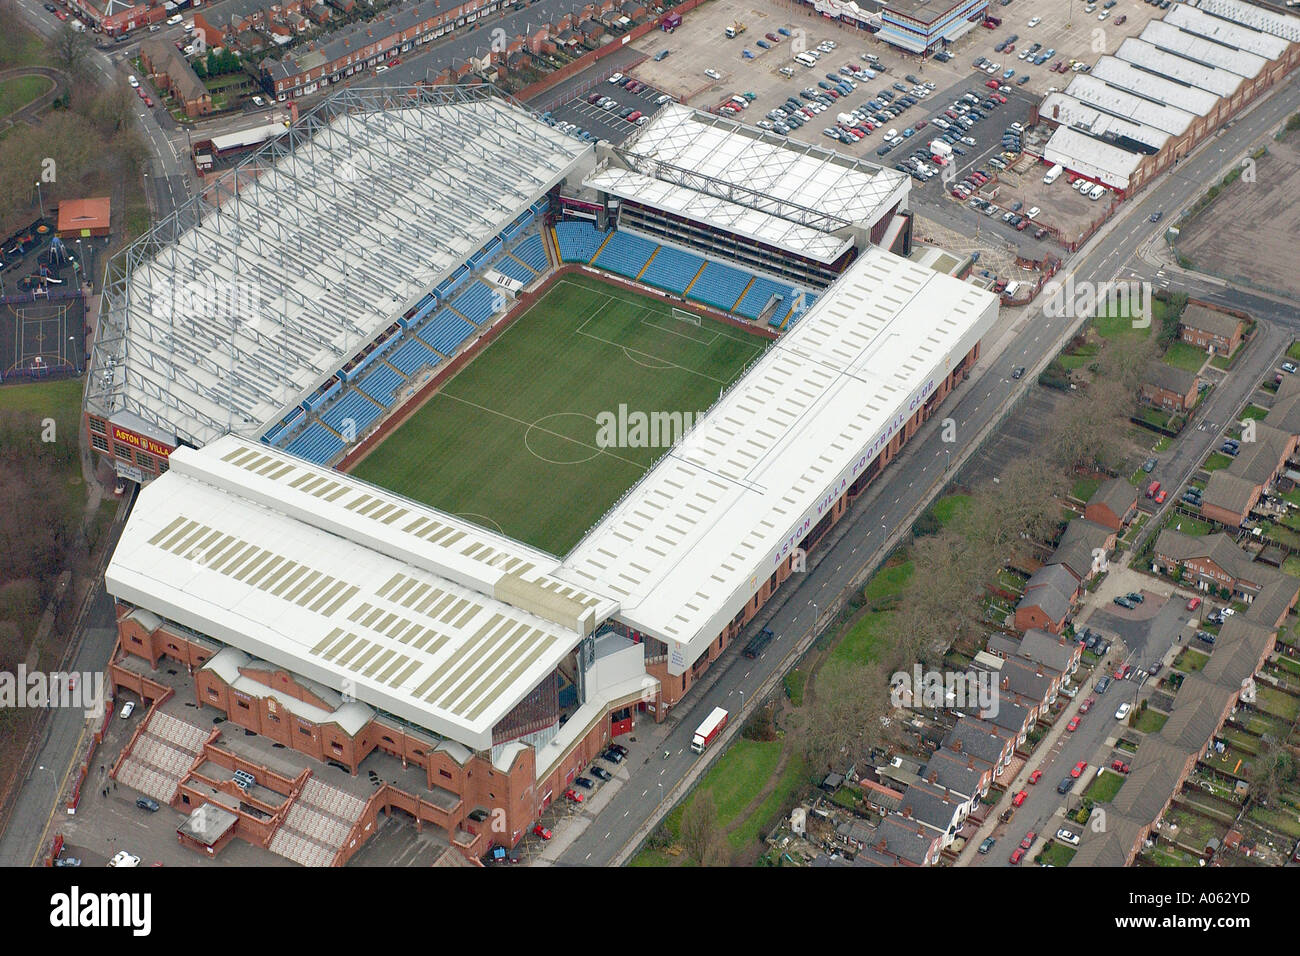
[689, 317]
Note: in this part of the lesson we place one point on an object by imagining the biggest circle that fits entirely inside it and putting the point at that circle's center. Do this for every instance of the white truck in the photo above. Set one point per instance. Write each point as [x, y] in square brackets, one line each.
[939, 148]
[708, 731]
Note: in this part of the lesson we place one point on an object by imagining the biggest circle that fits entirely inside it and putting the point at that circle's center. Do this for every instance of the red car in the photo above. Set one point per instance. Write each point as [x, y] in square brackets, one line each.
[140, 90]
[1073, 725]
[1016, 856]
[772, 37]
[148, 101]
[1193, 604]
[1160, 498]
[541, 831]
[993, 85]
[60, 14]
[921, 124]
[1019, 798]
[999, 97]
[1028, 841]
[1123, 671]
[1119, 766]
[1022, 225]
[1087, 705]
[576, 797]
[1036, 776]
[394, 62]
[1079, 768]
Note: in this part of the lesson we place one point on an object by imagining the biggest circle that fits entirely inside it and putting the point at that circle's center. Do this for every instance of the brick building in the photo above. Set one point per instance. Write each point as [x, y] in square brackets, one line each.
[1113, 505]
[1210, 329]
[1173, 389]
[172, 72]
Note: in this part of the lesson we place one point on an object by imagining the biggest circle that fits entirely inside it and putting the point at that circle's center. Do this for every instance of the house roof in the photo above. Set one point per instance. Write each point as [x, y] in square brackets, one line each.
[1007, 645]
[1013, 713]
[1048, 649]
[1285, 413]
[978, 738]
[1210, 320]
[1230, 492]
[77, 214]
[909, 840]
[1198, 710]
[1238, 651]
[1156, 769]
[1116, 494]
[1273, 600]
[1111, 847]
[1258, 460]
[1032, 681]
[1171, 379]
[1051, 588]
[960, 773]
[1081, 540]
[931, 803]
[1218, 548]
[165, 58]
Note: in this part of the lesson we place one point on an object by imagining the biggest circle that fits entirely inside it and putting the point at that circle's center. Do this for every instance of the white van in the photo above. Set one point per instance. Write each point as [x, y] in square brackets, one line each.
[1097, 192]
[1053, 174]
[805, 59]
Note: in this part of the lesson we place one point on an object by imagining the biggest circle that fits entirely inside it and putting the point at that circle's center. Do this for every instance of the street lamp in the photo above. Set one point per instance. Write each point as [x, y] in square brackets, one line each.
[40, 198]
[76, 363]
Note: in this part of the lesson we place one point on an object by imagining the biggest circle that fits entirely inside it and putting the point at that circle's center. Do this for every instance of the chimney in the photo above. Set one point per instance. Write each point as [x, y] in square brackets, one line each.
[934, 776]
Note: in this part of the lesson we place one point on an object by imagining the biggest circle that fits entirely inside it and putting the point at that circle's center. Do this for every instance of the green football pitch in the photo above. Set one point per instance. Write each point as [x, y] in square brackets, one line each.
[513, 442]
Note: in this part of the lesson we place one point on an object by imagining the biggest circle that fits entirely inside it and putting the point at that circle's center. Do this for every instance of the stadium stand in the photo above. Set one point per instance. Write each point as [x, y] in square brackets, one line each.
[284, 426]
[352, 406]
[719, 286]
[532, 251]
[412, 356]
[381, 383]
[444, 331]
[625, 254]
[760, 291]
[578, 241]
[515, 269]
[671, 269]
[316, 443]
[475, 303]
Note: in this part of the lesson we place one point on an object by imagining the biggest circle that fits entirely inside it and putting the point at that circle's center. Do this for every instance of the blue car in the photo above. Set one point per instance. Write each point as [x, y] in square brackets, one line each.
[764, 44]
[1008, 74]
[783, 31]
[747, 54]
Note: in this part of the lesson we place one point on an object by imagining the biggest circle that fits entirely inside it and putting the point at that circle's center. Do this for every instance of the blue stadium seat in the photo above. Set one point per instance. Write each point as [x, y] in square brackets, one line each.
[515, 270]
[578, 240]
[533, 251]
[413, 356]
[719, 286]
[625, 254]
[475, 303]
[444, 331]
[670, 269]
[316, 443]
[759, 293]
[381, 383]
[354, 406]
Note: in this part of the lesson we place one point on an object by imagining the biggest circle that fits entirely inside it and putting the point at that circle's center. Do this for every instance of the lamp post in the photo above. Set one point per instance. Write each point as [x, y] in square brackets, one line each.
[39, 198]
[76, 362]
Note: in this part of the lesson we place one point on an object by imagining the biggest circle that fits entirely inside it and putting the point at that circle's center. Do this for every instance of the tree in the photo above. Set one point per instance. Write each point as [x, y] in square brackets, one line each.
[700, 833]
[1273, 770]
[844, 718]
[71, 50]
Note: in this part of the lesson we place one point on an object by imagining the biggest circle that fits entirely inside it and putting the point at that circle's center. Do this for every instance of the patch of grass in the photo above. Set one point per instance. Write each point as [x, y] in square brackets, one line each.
[1276, 820]
[1056, 854]
[1192, 526]
[16, 92]
[1277, 703]
[1190, 660]
[949, 507]
[861, 644]
[795, 681]
[888, 582]
[1104, 787]
[1085, 488]
[793, 777]
[1294, 351]
[1118, 324]
[1162, 444]
[1185, 356]
[1253, 411]
[1217, 461]
[517, 418]
[1149, 721]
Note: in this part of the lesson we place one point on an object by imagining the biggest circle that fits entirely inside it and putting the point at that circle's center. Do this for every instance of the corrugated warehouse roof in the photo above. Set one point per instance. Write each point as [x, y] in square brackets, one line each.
[1152, 59]
[689, 545]
[1221, 30]
[1067, 111]
[1119, 102]
[1277, 22]
[1123, 75]
[1166, 36]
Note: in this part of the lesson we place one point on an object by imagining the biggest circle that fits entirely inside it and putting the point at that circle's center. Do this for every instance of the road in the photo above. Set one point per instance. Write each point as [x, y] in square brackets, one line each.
[865, 535]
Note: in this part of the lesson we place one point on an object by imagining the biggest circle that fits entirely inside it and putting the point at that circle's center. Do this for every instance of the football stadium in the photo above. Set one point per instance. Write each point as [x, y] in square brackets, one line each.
[465, 445]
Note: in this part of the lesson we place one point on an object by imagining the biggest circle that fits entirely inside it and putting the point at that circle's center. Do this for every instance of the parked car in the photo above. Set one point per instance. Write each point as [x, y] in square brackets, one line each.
[600, 772]
[145, 803]
[67, 861]
[1016, 856]
[987, 845]
[542, 831]
[1123, 710]
[1087, 704]
[1119, 766]
[573, 796]
[1035, 776]
[1078, 769]
[1065, 836]
[1019, 798]
[1102, 684]
[1066, 785]
[128, 709]
[584, 782]
[1073, 725]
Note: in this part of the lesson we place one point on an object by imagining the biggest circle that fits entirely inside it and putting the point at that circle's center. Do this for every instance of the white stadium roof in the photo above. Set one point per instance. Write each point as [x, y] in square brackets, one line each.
[691, 543]
[1123, 75]
[241, 305]
[1252, 39]
[1091, 157]
[1067, 111]
[740, 179]
[1218, 82]
[429, 617]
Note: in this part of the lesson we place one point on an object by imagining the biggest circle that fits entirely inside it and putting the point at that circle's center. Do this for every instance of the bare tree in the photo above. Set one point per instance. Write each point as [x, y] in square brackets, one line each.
[844, 719]
[70, 49]
[700, 828]
[1274, 769]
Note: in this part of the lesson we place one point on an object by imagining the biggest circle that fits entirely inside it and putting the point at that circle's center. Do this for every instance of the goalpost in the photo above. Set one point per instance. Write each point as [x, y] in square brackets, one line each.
[690, 318]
